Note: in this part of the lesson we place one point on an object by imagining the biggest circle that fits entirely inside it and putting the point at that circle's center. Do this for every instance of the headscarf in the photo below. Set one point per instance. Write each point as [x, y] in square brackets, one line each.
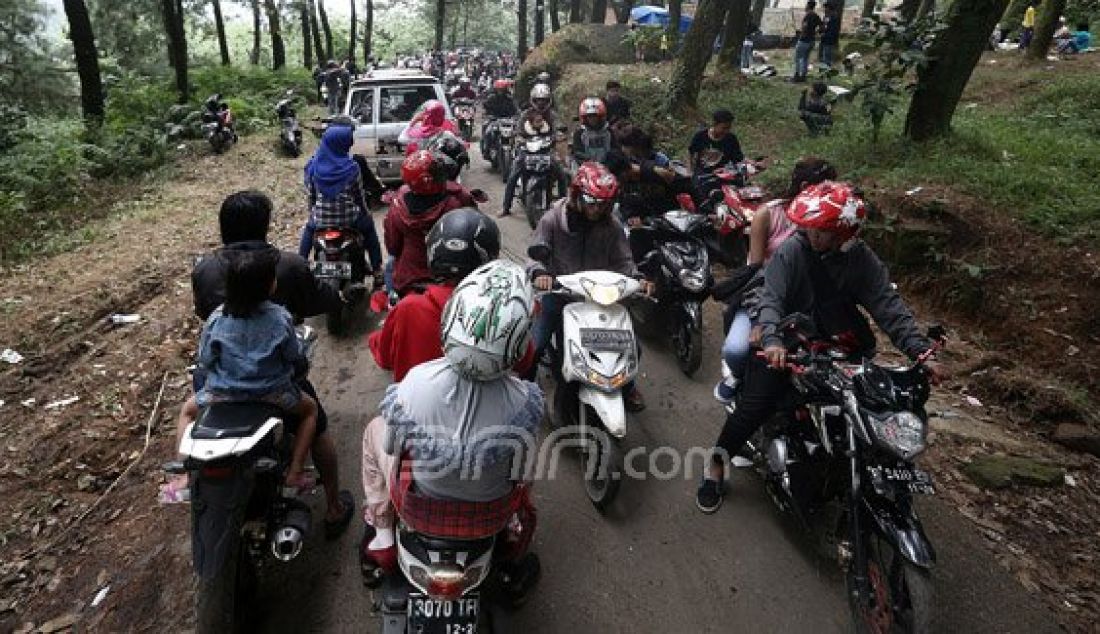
[428, 121]
[331, 168]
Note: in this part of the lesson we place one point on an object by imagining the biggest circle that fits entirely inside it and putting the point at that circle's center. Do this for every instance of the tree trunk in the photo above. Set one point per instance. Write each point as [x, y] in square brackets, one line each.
[540, 21]
[926, 7]
[868, 9]
[599, 11]
[172, 12]
[440, 17]
[575, 15]
[521, 30]
[368, 35]
[254, 55]
[1046, 21]
[555, 17]
[324, 25]
[351, 35]
[687, 72]
[907, 10]
[733, 36]
[954, 54]
[307, 35]
[757, 17]
[87, 62]
[219, 25]
[318, 47]
[622, 11]
[278, 51]
[675, 10]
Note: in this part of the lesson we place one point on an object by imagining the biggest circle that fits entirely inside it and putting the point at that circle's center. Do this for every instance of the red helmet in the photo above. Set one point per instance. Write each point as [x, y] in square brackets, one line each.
[595, 183]
[502, 84]
[593, 106]
[829, 206]
[424, 173]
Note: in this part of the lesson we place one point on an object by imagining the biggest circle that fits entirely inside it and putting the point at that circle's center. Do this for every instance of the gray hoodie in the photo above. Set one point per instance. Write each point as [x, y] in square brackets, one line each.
[601, 246]
[856, 271]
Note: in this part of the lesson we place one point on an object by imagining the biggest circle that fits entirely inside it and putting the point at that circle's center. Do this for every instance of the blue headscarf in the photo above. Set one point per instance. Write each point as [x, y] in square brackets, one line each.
[331, 168]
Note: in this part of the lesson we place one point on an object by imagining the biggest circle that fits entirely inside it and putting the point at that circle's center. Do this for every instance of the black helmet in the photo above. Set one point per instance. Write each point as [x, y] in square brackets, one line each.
[453, 148]
[460, 241]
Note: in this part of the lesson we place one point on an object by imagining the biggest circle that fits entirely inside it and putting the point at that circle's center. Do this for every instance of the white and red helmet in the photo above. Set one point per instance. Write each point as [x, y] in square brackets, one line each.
[593, 106]
[831, 206]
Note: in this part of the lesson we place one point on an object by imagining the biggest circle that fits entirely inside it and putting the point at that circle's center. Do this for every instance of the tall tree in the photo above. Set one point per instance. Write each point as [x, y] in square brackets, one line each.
[172, 12]
[440, 18]
[278, 51]
[219, 26]
[599, 11]
[87, 61]
[328, 30]
[758, 7]
[315, 29]
[675, 10]
[575, 14]
[954, 55]
[687, 72]
[868, 9]
[521, 29]
[555, 16]
[307, 35]
[368, 34]
[351, 34]
[1046, 21]
[733, 36]
[254, 55]
[540, 21]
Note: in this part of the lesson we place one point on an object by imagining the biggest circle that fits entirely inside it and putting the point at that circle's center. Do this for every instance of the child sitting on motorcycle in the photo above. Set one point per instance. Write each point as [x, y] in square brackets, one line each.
[458, 411]
[249, 352]
[336, 198]
[824, 271]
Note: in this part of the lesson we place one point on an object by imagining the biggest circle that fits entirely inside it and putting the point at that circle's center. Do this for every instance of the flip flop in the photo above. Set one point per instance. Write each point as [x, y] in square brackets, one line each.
[334, 529]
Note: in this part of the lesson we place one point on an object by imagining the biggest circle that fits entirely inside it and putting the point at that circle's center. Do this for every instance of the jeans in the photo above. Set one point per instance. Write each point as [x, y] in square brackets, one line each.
[735, 349]
[363, 224]
[334, 102]
[802, 59]
[556, 172]
[198, 380]
[825, 54]
[761, 389]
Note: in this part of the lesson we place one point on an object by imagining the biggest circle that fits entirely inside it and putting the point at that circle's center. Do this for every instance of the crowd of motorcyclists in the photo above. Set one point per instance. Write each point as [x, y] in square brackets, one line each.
[465, 334]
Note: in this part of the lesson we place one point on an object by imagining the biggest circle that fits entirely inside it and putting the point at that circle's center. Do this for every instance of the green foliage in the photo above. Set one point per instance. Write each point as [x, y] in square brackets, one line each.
[645, 39]
[30, 73]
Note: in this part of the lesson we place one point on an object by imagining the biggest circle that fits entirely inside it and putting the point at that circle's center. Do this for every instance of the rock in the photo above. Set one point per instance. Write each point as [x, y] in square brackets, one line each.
[1077, 437]
[1001, 472]
[58, 624]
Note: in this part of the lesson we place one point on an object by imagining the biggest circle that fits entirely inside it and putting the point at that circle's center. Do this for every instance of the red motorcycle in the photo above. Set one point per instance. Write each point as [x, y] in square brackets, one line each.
[731, 203]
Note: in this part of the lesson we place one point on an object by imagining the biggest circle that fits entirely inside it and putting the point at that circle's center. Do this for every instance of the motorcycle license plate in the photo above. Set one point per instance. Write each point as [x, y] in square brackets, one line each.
[916, 480]
[538, 163]
[338, 270]
[606, 339]
[430, 616]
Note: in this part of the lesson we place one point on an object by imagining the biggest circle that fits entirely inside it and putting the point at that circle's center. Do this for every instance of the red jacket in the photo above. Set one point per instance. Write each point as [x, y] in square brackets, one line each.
[406, 230]
[410, 334]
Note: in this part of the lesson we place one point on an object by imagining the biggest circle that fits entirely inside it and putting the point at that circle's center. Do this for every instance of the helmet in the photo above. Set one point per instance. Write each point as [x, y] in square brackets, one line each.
[460, 241]
[543, 77]
[425, 173]
[593, 106]
[502, 84]
[540, 92]
[594, 181]
[486, 324]
[829, 206]
[449, 145]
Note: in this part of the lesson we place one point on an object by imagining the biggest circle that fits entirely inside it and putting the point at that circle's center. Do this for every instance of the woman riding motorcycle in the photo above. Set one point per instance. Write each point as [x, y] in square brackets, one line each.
[429, 121]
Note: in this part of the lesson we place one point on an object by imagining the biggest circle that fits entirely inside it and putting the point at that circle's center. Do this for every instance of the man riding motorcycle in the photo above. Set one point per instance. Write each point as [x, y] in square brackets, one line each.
[592, 139]
[582, 235]
[538, 120]
[465, 90]
[824, 271]
[500, 104]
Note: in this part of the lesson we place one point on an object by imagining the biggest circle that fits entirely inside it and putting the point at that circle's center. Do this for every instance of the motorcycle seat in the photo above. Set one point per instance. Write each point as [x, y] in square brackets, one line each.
[233, 420]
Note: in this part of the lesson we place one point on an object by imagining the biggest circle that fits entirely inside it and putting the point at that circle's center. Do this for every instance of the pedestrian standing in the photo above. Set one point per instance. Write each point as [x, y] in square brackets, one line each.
[830, 35]
[807, 36]
[1028, 26]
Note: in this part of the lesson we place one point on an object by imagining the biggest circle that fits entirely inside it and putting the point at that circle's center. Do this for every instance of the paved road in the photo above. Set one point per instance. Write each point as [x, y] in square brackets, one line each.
[653, 563]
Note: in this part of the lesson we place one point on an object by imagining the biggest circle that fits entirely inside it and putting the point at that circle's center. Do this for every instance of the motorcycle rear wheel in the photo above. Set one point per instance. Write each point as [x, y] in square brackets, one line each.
[688, 343]
[901, 593]
[336, 320]
[221, 602]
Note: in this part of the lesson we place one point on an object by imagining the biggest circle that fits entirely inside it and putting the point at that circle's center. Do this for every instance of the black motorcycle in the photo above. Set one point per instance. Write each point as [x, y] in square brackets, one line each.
[339, 263]
[671, 252]
[840, 459]
[290, 134]
[490, 141]
[505, 146]
[217, 123]
[465, 111]
[236, 456]
[537, 177]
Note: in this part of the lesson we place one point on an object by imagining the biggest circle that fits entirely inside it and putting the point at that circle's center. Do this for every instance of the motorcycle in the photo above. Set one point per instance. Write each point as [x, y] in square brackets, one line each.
[338, 263]
[505, 146]
[464, 113]
[595, 354]
[291, 134]
[732, 201]
[236, 456]
[217, 123]
[537, 178]
[676, 260]
[841, 459]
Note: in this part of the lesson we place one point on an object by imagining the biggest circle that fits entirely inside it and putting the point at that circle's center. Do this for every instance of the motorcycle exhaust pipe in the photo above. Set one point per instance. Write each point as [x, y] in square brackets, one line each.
[289, 537]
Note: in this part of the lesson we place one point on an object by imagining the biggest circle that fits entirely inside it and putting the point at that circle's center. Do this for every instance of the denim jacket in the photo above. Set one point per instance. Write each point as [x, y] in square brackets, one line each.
[251, 356]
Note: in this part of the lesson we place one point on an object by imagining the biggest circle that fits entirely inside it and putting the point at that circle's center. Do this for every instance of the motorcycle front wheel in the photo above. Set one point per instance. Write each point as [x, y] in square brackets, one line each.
[534, 202]
[688, 343]
[900, 593]
[603, 466]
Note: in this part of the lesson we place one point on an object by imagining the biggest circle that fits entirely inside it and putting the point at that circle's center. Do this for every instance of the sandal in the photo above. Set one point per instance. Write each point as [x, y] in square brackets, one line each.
[334, 529]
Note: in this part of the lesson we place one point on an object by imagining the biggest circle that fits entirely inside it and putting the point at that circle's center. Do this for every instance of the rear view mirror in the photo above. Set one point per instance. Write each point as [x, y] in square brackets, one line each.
[539, 252]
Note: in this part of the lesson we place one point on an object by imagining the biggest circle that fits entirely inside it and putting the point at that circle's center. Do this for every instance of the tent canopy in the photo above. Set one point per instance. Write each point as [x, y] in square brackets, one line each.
[649, 15]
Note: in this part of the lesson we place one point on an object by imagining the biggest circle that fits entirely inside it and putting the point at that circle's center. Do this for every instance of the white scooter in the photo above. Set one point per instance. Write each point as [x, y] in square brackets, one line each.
[597, 355]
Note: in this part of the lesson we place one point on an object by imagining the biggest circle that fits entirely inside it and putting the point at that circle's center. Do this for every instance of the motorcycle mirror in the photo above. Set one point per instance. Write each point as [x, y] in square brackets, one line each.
[539, 252]
[479, 195]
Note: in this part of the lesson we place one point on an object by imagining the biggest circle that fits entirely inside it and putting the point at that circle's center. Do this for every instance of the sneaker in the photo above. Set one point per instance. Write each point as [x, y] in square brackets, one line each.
[726, 390]
[633, 400]
[709, 496]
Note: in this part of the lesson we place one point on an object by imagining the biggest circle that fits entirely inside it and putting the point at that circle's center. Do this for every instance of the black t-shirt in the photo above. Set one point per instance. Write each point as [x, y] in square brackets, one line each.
[811, 22]
[618, 109]
[831, 33]
[711, 153]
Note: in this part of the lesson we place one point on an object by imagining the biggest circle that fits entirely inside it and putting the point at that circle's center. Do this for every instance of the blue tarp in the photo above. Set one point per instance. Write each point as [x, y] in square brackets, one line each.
[649, 15]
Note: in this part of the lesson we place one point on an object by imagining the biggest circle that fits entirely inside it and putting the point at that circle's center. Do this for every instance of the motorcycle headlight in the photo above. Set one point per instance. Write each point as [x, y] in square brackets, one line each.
[693, 281]
[603, 294]
[902, 433]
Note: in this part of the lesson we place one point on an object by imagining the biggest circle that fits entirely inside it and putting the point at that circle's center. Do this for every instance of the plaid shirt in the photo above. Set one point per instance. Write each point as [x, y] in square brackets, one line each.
[454, 519]
[341, 211]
